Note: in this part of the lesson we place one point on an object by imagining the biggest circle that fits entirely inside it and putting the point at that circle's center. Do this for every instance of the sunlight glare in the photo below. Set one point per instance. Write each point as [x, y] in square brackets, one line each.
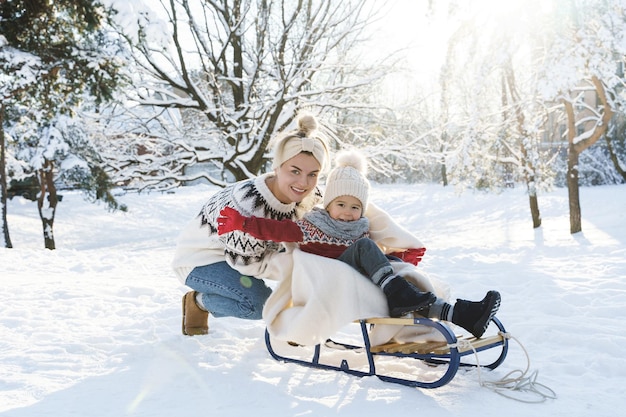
[422, 32]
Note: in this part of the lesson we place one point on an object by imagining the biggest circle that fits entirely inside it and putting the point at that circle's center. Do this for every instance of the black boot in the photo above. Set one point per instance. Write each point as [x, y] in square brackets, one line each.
[403, 297]
[474, 316]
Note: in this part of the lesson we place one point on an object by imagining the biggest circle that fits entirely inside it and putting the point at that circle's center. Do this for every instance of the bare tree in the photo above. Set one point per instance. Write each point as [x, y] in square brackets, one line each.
[578, 143]
[526, 156]
[238, 71]
[581, 73]
[581, 51]
[446, 81]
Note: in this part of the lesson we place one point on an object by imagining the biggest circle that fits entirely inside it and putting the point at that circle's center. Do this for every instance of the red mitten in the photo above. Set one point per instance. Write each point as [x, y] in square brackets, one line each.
[229, 220]
[412, 256]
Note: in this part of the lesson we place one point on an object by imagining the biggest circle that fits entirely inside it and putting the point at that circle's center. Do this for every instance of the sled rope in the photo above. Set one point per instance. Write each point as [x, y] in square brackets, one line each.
[516, 380]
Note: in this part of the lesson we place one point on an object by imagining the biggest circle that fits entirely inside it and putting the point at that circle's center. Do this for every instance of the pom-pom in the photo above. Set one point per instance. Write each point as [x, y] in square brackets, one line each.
[352, 159]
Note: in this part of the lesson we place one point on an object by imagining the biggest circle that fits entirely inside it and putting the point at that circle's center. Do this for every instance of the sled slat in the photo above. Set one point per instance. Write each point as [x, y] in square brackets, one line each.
[413, 347]
[437, 348]
[390, 320]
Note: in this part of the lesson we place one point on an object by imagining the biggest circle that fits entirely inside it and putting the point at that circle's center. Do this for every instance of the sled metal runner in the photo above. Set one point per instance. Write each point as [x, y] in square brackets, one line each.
[440, 354]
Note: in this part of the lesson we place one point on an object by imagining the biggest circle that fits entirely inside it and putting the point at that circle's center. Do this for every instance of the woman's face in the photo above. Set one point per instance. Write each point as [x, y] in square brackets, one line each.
[296, 178]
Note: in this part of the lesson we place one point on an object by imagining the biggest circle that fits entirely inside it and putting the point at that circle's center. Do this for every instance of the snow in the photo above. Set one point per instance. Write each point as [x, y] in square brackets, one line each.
[136, 18]
[93, 328]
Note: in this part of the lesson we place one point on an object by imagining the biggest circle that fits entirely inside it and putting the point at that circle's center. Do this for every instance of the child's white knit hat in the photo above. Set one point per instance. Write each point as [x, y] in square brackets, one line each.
[348, 178]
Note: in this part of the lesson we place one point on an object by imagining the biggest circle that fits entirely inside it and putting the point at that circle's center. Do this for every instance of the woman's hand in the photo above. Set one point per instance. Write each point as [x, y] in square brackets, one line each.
[412, 256]
[229, 220]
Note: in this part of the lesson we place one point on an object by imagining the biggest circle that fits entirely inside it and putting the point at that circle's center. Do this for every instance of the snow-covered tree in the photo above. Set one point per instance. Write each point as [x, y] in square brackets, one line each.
[468, 143]
[516, 60]
[238, 71]
[52, 54]
[6, 237]
[523, 118]
[580, 72]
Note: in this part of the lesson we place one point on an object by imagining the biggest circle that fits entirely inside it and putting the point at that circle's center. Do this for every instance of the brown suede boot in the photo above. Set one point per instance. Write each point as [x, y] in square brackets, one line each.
[195, 319]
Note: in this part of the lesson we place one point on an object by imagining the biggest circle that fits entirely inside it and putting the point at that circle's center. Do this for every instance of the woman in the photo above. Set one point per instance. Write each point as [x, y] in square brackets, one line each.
[225, 272]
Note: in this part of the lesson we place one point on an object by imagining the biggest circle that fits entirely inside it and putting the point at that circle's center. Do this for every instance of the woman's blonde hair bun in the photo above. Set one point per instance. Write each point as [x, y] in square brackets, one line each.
[307, 124]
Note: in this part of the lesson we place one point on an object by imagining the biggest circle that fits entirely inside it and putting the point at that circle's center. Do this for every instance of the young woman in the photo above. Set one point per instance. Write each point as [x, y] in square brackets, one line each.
[225, 272]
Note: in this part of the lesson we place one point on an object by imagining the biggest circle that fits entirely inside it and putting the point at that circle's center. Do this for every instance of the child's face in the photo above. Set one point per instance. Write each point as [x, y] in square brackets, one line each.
[345, 208]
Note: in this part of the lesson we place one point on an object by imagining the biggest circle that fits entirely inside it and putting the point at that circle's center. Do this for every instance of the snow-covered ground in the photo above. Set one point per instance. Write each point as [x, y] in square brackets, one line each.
[93, 328]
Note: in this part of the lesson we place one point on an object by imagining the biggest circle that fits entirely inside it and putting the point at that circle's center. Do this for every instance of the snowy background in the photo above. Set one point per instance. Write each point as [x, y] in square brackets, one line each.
[93, 328]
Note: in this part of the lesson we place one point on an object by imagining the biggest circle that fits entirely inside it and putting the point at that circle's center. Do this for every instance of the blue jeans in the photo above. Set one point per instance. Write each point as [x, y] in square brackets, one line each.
[227, 293]
[367, 258]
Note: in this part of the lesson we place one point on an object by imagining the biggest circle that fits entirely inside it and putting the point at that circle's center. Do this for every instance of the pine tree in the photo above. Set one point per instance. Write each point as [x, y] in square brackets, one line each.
[52, 56]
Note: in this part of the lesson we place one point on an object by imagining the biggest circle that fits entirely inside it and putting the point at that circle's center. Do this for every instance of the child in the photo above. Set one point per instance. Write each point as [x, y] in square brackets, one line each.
[341, 232]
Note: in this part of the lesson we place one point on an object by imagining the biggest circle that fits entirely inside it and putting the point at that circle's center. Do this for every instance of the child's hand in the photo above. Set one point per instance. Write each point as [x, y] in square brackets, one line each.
[412, 256]
[229, 220]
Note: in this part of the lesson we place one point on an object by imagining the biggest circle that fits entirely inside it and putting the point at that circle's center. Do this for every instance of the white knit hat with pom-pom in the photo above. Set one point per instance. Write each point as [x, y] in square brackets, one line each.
[348, 178]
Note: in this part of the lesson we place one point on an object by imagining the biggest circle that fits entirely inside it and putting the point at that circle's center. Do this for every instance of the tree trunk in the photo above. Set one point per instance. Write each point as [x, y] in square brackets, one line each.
[3, 184]
[572, 171]
[526, 162]
[47, 203]
[576, 147]
[444, 171]
[533, 200]
[573, 190]
[614, 158]
[534, 210]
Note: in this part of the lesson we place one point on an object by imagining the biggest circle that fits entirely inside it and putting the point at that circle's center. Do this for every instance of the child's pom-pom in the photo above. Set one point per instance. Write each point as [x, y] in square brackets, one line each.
[352, 159]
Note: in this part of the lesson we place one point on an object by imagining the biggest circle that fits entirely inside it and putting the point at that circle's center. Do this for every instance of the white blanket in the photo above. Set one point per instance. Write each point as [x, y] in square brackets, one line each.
[317, 296]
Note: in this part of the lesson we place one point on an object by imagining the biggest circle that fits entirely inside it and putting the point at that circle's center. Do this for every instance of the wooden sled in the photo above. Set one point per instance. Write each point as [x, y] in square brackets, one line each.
[424, 364]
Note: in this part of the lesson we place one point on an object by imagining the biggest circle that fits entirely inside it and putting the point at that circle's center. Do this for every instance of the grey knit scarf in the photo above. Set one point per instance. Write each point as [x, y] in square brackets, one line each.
[337, 228]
